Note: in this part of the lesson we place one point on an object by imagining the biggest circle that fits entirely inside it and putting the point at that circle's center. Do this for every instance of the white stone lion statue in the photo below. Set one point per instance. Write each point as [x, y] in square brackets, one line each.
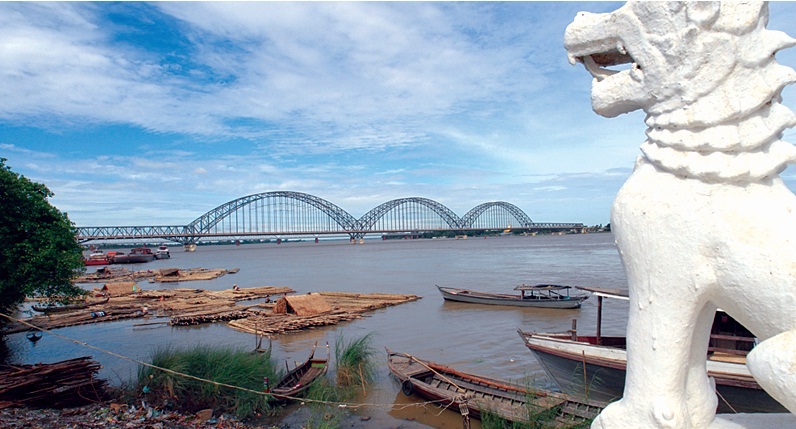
[704, 221]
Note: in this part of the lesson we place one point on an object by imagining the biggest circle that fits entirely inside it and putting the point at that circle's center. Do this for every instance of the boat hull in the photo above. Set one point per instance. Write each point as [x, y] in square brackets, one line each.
[605, 370]
[132, 259]
[457, 390]
[298, 380]
[472, 297]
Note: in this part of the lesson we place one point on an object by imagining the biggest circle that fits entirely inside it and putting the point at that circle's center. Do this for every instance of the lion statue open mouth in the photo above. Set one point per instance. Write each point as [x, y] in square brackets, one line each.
[704, 221]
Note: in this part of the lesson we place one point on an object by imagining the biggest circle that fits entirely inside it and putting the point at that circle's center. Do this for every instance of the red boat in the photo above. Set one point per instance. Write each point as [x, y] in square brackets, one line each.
[97, 258]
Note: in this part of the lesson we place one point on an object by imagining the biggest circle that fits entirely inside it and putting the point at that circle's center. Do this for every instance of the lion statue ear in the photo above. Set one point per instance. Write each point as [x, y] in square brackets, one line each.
[703, 13]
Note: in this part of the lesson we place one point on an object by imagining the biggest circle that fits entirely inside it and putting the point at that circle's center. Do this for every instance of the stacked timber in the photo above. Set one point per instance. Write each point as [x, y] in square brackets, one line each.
[69, 383]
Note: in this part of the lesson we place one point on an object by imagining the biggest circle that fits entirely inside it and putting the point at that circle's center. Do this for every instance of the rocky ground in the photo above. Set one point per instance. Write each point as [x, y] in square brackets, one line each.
[116, 416]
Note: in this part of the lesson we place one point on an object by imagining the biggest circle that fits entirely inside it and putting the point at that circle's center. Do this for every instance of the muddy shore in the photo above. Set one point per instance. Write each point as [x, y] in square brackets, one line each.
[113, 415]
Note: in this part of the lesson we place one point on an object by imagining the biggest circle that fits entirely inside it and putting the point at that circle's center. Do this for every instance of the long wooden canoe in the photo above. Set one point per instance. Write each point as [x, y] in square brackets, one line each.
[540, 296]
[477, 394]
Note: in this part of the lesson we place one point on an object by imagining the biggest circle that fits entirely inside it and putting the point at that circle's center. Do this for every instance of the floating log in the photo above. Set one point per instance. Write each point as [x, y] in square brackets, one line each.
[200, 318]
[69, 383]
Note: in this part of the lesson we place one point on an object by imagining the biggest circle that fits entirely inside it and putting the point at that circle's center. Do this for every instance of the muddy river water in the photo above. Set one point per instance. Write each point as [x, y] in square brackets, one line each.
[468, 337]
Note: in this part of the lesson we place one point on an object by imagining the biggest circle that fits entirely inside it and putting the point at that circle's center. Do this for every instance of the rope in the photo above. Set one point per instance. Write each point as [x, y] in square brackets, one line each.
[458, 388]
[725, 401]
[203, 380]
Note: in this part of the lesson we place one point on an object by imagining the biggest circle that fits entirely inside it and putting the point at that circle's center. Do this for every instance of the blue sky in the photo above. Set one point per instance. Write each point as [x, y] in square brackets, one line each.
[154, 113]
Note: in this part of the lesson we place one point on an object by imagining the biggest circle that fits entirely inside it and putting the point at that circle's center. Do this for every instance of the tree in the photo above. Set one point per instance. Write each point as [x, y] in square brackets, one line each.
[38, 251]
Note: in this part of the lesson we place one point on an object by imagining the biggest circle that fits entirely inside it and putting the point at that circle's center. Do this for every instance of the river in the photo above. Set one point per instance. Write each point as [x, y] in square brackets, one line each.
[471, 338]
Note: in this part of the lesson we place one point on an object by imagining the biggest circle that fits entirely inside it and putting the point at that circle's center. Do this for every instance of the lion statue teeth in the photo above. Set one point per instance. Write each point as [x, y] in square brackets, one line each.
[704, 221]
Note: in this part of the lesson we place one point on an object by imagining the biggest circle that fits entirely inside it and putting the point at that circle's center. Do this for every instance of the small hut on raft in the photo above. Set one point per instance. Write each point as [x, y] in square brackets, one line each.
[302, 305]
[118, 289]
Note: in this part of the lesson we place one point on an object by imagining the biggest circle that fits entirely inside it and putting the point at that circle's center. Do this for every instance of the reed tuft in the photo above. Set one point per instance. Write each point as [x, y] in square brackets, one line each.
[355, 366]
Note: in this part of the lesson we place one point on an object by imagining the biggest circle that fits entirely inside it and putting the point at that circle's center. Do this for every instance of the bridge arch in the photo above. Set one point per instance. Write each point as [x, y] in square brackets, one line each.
[496, 213]
[286, 214]
[409, 214]
[274, 212]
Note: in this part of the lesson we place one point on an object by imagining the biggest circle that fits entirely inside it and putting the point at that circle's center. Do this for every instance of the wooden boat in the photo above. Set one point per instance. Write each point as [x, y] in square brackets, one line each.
[300, 378]
[595, 366]
[542, 296]
[51, 307]
[476, 394]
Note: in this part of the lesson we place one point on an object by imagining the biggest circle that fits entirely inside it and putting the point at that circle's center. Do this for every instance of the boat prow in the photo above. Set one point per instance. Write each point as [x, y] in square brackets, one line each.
[299, 379]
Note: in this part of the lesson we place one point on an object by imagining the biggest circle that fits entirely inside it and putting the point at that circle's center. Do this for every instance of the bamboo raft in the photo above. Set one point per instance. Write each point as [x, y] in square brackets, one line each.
[171, 275]
[335, 307]
[156, 303]
[279, 313]
[165, 275]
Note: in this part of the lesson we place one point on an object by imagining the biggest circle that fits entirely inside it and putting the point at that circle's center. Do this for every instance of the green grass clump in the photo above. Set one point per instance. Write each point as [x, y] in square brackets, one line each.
[323, 413]
[355, 366]
[236, 367]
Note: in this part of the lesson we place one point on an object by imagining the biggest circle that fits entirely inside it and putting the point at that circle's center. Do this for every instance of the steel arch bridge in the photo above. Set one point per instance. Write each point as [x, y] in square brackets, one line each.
[289, 214]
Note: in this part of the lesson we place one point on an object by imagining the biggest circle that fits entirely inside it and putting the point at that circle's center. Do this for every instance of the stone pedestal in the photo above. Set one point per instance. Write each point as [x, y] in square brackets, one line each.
[754, 421]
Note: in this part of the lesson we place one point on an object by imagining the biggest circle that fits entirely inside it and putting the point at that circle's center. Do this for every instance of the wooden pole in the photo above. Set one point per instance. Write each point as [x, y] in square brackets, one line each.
[599, 320]
[573, 333]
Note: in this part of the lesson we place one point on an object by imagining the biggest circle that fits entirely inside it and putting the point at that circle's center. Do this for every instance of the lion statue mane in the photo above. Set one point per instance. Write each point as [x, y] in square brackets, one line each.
[704, 221]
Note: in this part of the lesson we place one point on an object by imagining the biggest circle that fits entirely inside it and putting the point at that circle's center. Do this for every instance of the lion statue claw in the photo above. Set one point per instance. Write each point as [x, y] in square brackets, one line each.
[704, 221]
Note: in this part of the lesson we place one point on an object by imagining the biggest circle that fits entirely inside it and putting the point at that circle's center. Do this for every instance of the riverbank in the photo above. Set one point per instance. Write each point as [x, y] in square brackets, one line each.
[115, 415]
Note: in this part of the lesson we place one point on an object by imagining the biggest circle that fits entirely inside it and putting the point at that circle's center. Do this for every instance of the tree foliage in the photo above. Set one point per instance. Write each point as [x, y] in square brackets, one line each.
[38, 251]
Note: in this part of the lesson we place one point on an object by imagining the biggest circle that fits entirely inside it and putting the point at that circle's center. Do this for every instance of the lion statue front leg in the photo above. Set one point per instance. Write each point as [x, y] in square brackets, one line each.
[669, 313]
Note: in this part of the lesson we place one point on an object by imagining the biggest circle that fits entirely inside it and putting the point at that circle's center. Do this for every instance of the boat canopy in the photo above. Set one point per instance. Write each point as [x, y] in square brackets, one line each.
[524, 287]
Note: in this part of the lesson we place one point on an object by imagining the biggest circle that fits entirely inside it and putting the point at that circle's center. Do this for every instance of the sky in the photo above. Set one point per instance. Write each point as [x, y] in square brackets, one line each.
[155, 113]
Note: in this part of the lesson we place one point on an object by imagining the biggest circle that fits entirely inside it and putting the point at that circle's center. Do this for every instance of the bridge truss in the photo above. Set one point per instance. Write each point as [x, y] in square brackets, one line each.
[288, 214]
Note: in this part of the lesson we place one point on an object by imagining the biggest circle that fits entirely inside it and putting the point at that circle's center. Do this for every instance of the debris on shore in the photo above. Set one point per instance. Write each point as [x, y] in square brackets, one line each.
[116, 415]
